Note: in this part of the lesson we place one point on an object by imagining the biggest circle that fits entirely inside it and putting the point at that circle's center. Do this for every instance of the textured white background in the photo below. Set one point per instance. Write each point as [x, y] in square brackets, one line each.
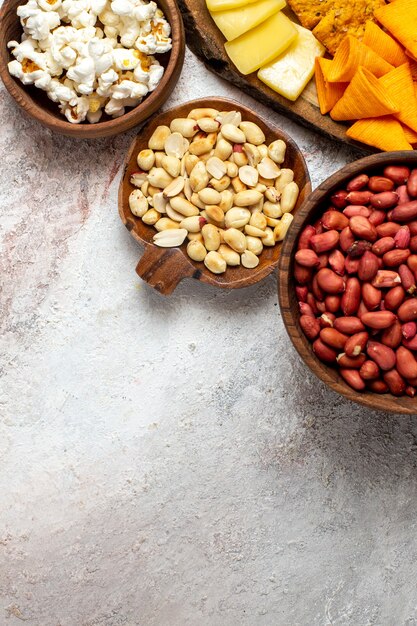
[170, 461]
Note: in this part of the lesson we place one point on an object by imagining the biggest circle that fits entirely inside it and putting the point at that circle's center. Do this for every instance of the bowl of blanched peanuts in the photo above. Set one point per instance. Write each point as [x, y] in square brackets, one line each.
[90, 68]
[210, 189]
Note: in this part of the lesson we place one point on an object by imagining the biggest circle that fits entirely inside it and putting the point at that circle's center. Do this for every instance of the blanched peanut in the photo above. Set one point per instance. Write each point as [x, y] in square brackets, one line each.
[196, 200]
[231, 257]
[252, 153]
[232, 169]
[193, 224]
[209, 196]
[188, 192]
[200, 146]
[138, 203]
[215, 213]
[253, 231]
[254, 244]
[248, 175]
[261, 188]
[152, 191]
[172, 214]
[146, 159]
[235, 239]
[211, 237]
[237, 185]
[276, 151]
[185, 126]
[164, 223]
[230, 117]
[172, 165]
[226, 201]
[263, 150]
[248, 197]
[216, 167]
[174, 188]
[268, 169]
[283, 226]
[170, 238]
[158, 138]
[215, 262]
[237, 218]
[176, 145]
[183, 206]
[253, 133]
[257, 207]
[195, 237]
[221, 184]
[138, 178]
[249, 259]
[144, 188]
[197, 114]
[159, 202]
[289, 197]
[190, 161]
[269, 239]
[208, 125]
[272, 195]
[158, 158]
[199, 177]
[285, 177]
[272, 209]
[233, 133]
[258, 220]
[239, 158]
[151, 217]
[223, 149]
[196, 251]
[272, 222]
[158, 177]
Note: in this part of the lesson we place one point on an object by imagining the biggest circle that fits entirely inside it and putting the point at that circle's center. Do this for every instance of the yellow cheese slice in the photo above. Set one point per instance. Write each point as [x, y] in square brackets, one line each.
[235, 22]
[290, 72]
[261, 44]
[224, 5]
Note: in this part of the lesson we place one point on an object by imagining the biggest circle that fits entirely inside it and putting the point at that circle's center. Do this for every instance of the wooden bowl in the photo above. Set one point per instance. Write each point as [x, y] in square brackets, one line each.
[164, 268]
[312, 208]
[36, 103]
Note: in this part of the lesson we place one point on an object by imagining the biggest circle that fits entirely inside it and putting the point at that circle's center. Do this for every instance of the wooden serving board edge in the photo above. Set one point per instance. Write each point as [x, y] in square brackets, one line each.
[207, 44]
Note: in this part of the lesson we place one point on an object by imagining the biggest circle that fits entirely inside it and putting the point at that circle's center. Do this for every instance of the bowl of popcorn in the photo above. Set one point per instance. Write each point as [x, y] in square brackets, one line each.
[210, 188]
[90, 68]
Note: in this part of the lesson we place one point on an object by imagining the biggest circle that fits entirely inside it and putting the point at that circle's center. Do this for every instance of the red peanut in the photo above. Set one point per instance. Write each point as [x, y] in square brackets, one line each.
[394, 298]
[369, 370]
[392, 336]
[356, 209]
[356, 344]
[347, 238]
[396, 384]
[378, 319]
[302, 275]
[353, 379]
[383, 245]
[385, 200]
[407, 279]
[368, 266]
[388, 229]
[394, 258]
[307, 258]
[304, 241]
[358, 182]
[324, 242]
[397, 173]
[409, 330]
[407, 312]
[333, 338]
[355, 362]
[371, 296]
[402, 238]
[333, 220]
[406, 363]
[349, 325]
[386, 278]
[338, 199]
[324, 352]
[377, 217]
[351, 297]
[330, 282]
[337, 262]
[380, 183]
[412, 184]
[359, 197]
[378, 386]
[405, 212]
[310, 326]
[383, 356]
[362, 228]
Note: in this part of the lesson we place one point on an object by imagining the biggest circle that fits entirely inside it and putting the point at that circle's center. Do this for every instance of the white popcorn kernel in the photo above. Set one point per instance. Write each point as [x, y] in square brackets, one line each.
[155, 74]
[125, 59]
[49, 5]
[129, 89]
[76, 112]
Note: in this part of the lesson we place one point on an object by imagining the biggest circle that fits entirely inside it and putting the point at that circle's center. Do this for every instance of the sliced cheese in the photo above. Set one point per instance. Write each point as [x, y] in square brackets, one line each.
[224, 5]
[290, 72]
[261, 44]
[235, 22]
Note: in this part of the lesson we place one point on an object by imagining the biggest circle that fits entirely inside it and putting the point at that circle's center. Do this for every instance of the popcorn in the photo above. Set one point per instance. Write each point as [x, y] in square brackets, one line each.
[88, 69]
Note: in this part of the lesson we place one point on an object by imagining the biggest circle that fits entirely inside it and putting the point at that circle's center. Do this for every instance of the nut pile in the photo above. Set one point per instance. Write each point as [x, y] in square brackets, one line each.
[210, 178]
[356, 276]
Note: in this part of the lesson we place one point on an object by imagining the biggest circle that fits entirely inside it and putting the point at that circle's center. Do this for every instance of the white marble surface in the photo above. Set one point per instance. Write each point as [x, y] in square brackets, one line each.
[171, 462]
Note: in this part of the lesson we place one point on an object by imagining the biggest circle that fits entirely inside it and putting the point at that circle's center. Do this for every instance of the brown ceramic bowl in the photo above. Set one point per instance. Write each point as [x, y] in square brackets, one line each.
[164, 268]
[311, 210]
[36, 104]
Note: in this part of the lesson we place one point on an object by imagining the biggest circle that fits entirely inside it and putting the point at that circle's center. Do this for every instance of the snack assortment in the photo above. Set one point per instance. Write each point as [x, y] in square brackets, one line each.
[356, 275]
[91, 56]
[210, 179]
[260, 37]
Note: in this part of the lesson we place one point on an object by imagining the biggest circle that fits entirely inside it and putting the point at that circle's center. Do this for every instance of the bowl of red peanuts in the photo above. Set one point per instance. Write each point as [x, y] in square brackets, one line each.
[348, 281]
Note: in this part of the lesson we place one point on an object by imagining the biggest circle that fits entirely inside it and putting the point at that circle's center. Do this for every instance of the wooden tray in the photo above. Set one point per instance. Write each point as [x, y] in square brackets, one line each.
[207, 42]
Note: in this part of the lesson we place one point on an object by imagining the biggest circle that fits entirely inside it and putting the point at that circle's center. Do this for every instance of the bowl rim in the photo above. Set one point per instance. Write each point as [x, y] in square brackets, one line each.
[192, 268]
[286, 293]
[110, 127]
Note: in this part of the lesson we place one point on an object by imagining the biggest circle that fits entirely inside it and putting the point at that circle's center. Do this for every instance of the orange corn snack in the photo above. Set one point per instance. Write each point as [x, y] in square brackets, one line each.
[385, 133]
[410, 135]
[398, 85]
[384, 45]
[328, 93]
[400, 18]
[352, 54]
[364, 97]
